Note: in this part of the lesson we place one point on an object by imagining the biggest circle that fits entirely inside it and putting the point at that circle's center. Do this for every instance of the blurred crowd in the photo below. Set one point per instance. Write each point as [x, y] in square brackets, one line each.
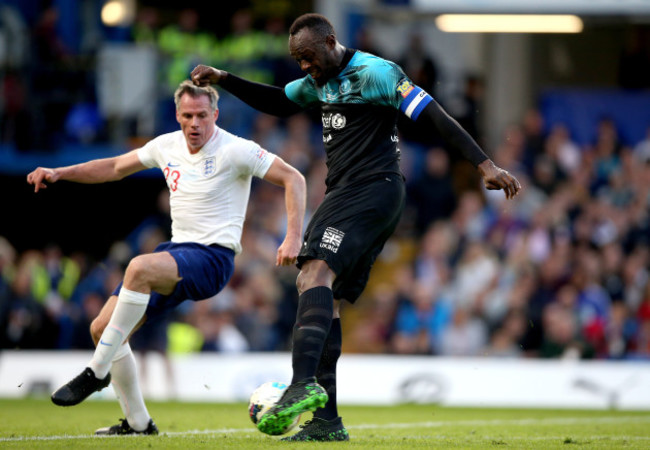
[561, 271]
[50, 87]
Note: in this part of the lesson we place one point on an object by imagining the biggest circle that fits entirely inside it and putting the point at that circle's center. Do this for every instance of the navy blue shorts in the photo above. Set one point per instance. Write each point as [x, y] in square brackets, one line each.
[204, 270]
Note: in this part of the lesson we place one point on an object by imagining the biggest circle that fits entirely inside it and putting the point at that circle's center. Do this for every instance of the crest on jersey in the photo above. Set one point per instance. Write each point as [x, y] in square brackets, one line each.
[405, 88]
[208, 166]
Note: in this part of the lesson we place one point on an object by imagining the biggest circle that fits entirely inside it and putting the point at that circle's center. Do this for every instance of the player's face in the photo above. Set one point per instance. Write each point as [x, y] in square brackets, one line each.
[315, 56]
[197, 119]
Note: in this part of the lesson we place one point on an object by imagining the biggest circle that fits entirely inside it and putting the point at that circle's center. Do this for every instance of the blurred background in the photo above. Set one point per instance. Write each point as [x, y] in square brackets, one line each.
[562, 271]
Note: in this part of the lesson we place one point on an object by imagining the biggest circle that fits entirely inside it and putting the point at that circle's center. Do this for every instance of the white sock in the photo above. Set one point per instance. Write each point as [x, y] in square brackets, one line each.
[124, 377]
[129, 309]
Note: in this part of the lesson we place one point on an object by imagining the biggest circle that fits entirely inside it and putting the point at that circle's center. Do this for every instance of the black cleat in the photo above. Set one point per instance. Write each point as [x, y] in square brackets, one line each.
[124, 428]
[321, 430]
[302, 396]
[77, 390]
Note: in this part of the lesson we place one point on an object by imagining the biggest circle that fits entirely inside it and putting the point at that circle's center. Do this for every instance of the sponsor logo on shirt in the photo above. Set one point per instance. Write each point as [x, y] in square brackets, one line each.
[208, 166]
[327, 120]
[261, 154]
[405, 88]
[332, 239]
[336, 121]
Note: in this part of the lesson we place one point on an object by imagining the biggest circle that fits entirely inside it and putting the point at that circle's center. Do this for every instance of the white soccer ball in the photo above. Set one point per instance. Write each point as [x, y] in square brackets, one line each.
[263, 398]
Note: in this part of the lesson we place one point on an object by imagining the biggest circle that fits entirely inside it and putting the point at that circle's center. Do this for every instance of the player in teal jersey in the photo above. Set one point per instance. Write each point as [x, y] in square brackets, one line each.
[360, 97]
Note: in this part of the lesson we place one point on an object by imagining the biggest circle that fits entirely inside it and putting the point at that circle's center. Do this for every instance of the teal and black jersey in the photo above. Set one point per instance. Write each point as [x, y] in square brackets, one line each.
[359, 109]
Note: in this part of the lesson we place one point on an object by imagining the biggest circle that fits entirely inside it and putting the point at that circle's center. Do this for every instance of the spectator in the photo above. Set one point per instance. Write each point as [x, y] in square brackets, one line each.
[375, 329]
[432, 195]
[467, 335]
[505, 339]
[642, 149]
[181, 45]
[562, 149]
[466, 108]
[475, 274]
[147, 26]
[419, 65]
[421, 321]
[607, 149]
[533, 137]
[561, 336]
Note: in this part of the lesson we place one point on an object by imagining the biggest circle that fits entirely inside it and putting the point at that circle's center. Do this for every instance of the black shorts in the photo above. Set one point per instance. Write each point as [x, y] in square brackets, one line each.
[349, 230]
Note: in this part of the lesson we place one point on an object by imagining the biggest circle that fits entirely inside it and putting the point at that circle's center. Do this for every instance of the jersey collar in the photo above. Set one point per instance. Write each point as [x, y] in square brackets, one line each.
[347, 56]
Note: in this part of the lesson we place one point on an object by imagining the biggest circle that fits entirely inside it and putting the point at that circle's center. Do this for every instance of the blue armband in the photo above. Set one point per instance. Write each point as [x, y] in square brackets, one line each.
[415, 102]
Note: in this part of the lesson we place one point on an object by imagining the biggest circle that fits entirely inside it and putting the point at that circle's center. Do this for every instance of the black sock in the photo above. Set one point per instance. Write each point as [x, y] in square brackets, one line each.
[326, 373]
[313, 321]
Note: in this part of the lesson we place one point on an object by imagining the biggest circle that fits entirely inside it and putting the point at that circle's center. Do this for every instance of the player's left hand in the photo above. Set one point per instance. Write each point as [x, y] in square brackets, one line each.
[495, 178]
[288, 252]
[42, 174]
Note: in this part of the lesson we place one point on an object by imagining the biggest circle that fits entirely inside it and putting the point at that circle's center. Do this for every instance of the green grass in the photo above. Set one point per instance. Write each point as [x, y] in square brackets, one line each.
[36, 423]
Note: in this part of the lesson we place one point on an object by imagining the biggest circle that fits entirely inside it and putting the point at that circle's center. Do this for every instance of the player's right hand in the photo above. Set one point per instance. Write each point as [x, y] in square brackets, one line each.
[205, 75]
[39, 176]
[288, 251]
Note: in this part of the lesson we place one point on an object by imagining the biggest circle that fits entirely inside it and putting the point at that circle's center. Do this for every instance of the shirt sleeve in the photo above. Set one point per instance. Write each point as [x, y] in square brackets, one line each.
[387, 84]
[149, 153]
[302, 92]
[252, 159]
[381, 81]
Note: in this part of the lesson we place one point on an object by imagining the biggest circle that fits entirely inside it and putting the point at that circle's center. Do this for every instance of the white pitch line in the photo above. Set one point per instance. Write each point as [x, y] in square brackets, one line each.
[523, 422]
[553, 421]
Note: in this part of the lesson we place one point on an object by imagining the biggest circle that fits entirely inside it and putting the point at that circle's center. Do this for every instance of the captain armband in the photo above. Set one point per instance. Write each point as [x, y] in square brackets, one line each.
[415, 99]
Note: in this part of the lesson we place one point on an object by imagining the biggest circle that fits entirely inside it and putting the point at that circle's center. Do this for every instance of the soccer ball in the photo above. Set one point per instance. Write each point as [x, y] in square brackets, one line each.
[263, 398]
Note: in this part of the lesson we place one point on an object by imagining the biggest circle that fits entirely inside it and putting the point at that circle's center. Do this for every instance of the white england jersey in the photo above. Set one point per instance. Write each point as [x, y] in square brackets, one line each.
[209, 190]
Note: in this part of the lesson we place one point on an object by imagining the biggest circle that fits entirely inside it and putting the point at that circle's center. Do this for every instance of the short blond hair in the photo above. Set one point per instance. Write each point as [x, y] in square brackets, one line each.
[189, 88]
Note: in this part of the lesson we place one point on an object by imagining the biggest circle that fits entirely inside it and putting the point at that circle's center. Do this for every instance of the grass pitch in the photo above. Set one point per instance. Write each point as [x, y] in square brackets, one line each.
[37, 423]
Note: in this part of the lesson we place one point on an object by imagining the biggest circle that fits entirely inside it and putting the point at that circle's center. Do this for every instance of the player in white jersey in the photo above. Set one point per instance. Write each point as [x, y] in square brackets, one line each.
[208, 172]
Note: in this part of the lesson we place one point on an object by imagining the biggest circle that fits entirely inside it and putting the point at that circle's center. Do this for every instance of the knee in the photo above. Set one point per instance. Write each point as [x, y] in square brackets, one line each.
[314, 273]
[301, 283]
[137, 268]
[306, 281]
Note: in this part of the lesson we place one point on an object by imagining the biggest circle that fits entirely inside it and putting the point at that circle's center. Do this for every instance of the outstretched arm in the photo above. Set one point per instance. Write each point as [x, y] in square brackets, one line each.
[91, 172]
[458, 139]
[263, 97]
[295, 197]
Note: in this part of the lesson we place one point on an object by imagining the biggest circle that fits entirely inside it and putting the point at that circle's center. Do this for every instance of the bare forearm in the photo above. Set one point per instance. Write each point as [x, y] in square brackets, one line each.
[91, 172]
[295, 199]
